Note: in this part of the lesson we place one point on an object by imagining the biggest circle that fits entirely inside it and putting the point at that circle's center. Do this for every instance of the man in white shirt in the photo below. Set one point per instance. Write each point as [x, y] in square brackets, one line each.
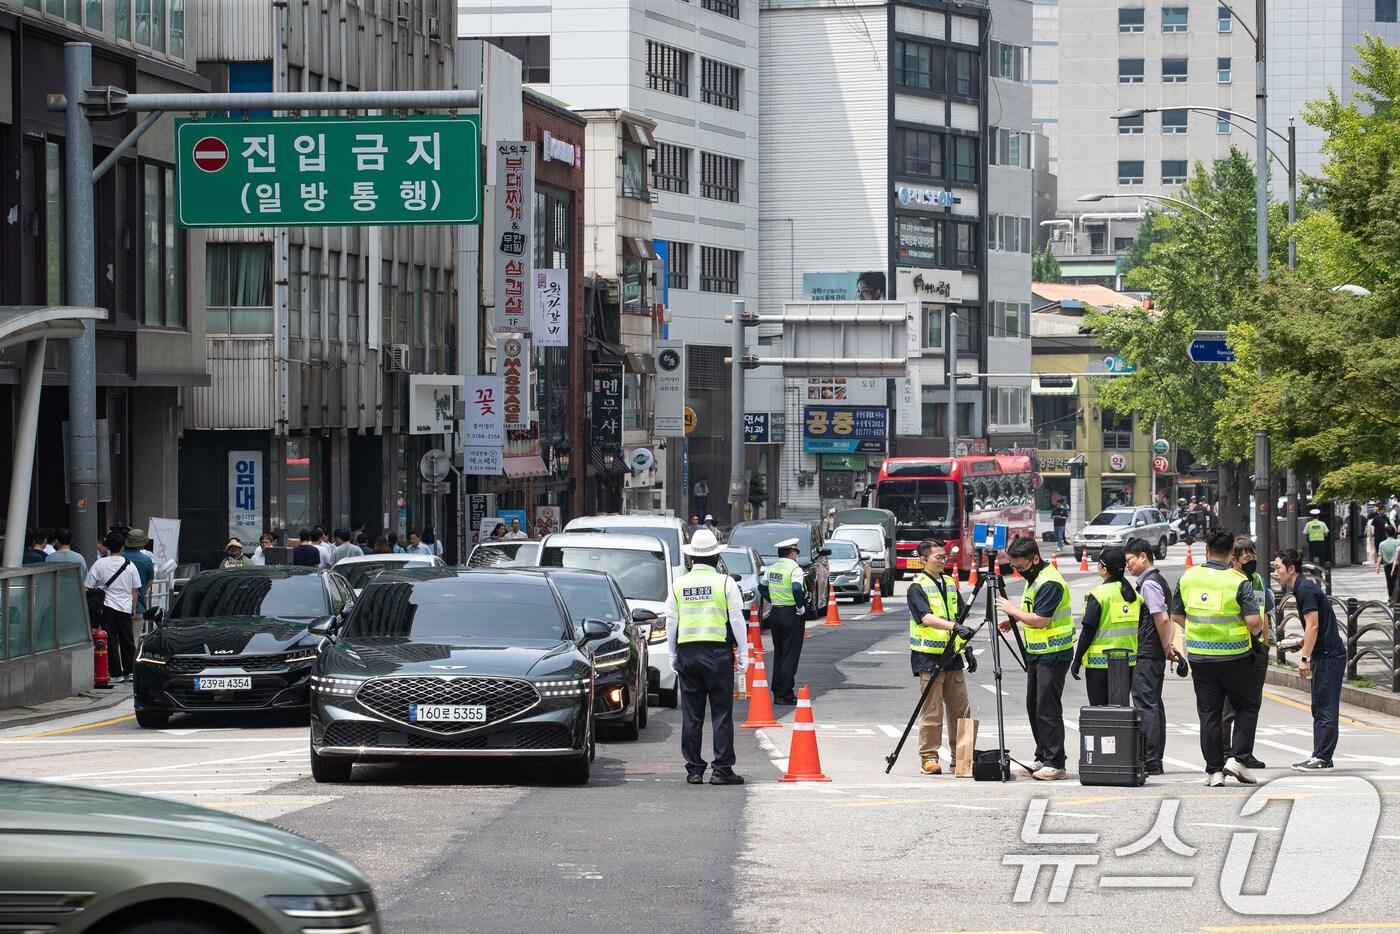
[516, 533]
[265, 543]
[327, 550]
[119, 580]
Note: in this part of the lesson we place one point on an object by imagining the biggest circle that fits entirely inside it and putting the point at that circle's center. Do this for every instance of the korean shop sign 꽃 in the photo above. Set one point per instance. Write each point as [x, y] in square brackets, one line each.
[329, 171]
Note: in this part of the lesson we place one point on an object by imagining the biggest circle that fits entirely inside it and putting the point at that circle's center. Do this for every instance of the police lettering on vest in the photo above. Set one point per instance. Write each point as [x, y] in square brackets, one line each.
[1215, 626]
[779, 578]
[1118, 625]
[1058, 634]
[702, 615]
[943, 605]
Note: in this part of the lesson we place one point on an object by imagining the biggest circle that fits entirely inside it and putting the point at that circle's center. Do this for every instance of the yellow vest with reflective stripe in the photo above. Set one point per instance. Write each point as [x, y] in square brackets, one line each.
[779, 577]
[1215, 626]
[926, 638]
[1058, 634]
[1118, 625]
[702, 615]
[1316, 530]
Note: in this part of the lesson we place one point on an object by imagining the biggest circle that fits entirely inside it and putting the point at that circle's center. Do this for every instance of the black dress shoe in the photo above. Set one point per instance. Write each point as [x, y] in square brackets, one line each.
[1250, 762]
[787, 701]
[694, 778]
[1156, 770]
[726, 778]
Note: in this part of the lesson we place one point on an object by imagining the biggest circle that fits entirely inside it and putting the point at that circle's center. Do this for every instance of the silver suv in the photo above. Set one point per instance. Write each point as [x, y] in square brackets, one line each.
[1117, 524]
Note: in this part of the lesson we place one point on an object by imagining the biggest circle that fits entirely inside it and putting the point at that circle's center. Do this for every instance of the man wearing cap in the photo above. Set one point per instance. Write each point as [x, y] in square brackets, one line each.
[235, 559]
[781, 586]
[707, 610]
[137, 541]
[1316, 533]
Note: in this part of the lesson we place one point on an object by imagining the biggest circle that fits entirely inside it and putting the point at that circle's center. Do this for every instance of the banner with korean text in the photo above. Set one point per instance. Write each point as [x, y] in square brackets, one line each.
[513, 250]
[551, 308]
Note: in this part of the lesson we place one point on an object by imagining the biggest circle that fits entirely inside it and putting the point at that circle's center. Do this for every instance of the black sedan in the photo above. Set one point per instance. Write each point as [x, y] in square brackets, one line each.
[237, 639]
[620, 661]
[452, 662]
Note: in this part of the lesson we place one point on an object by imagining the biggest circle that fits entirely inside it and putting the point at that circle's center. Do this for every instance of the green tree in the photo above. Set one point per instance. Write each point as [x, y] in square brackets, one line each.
[1045, 267]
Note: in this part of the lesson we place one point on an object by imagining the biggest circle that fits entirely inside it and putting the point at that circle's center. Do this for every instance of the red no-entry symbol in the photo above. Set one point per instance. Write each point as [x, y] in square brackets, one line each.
[210, 154]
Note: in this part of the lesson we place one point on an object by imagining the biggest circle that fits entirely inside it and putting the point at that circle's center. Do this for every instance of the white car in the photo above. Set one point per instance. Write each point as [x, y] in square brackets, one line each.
[358, 571]
[640, 565]
[1117, 524]
[505, 553]
[870, 539]
[673, 532]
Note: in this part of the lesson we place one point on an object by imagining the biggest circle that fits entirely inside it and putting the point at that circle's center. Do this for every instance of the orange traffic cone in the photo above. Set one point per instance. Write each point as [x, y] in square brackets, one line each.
[833, 615]
[1055, 561]
[760, 697]
[1084, 560]
[877, 605]
[804, 763]
[755, 650]
[972, 577]
[1189, 562]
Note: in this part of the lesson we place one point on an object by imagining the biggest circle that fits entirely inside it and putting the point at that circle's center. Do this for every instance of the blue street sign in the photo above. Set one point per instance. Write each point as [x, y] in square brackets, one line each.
[1210, 347]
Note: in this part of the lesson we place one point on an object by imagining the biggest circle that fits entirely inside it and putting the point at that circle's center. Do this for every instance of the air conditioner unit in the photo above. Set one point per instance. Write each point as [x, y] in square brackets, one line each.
[434, 27]
[396, 358]
[1057, 234]
[405, 12]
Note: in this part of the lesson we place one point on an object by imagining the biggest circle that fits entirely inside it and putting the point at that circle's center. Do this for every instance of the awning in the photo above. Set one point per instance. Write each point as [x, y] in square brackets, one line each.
[640, 363]
[639, 249]
[1038, 390]
[639, 135]
[531, 465]
[1084, 270]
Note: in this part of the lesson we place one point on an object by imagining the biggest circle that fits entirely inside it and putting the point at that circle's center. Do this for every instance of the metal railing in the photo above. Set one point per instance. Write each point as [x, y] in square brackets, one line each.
[41, 610]
[1368, 629]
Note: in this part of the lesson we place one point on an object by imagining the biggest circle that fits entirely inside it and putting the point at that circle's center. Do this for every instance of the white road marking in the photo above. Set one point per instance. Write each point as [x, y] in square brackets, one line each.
[156, 770]
[889, 730]
[1233, 826]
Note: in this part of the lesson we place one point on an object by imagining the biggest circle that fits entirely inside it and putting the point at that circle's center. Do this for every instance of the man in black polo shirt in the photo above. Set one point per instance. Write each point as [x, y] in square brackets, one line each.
[1322, 658]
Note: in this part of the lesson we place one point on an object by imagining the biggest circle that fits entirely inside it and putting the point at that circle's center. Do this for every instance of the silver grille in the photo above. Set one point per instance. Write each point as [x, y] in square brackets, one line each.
[503, 698]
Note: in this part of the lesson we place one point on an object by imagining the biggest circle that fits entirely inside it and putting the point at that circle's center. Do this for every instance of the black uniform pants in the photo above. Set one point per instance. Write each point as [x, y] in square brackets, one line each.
[1045, 688]
[1227, 722]
[1147, 697]
[706, 674]
[1215, 682]
[1317, 552]
[788, 631]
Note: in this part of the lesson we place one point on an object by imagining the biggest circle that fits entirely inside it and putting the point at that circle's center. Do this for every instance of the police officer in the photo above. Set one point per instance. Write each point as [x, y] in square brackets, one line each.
[1112, 616]
[708, 610]
[782, 587]
[1048, 627]
[933, 623]
[1316, 533]
[1221, 614]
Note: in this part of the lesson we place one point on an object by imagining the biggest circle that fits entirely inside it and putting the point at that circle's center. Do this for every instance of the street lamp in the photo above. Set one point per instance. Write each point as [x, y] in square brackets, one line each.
[1174, 202]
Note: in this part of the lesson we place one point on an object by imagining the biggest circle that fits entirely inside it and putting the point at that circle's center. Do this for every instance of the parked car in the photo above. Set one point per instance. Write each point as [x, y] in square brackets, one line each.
[874, 548]
[620, 661]
[79, 860]
[501, 553]
[358, 571]
[450, 662]
[643, 571]
[237, 639]
[763, 535]
[672, 531]
[745, 566]
[888, 571]
[1117, 524]
[851, 575]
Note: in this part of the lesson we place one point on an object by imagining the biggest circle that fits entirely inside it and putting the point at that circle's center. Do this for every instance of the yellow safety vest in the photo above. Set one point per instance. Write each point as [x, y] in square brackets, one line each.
[779, 577]
[926, 638]
[702, 614]
[1118, 625]
[1058, 635]
[1316, 530]
[1215, 625]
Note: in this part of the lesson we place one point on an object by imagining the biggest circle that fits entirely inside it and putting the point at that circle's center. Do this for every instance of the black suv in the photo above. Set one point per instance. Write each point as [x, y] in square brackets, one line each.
[763, 535]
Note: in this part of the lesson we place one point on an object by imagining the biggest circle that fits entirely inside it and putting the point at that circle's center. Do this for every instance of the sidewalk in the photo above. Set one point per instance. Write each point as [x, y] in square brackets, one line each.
[64, 707]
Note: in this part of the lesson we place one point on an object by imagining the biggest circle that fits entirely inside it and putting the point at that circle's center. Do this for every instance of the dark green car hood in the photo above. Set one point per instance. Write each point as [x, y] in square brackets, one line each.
[43, 807]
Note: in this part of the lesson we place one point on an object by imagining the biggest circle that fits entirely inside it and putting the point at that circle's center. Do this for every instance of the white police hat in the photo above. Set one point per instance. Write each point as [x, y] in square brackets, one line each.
[787, 543]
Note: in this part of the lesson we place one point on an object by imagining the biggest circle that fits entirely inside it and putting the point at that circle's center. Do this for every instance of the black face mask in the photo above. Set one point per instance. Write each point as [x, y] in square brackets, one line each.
[1032, 572]
[1249, 567]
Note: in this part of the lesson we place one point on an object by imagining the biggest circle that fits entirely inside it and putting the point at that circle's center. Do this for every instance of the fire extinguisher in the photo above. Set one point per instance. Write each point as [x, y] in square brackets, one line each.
[100, 677]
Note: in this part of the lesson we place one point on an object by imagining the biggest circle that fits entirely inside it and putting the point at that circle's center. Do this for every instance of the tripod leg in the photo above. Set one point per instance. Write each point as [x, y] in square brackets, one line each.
[893, 757]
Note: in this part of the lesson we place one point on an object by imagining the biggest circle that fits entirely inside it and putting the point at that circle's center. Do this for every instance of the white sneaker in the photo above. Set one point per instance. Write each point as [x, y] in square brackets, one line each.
[1049, 774]
[1024, 772]
[1236, 770]
[1215, 780]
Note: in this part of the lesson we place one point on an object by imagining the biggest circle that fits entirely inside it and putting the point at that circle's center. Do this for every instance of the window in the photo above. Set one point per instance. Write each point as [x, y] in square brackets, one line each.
[672, 168]
[1385, 11]
[1010, 147]
[1174, 18]
[920, 240]
[1008, 406]
[964, 238]
[1054, 418]
[1011, 319]
[634, 286]
[1008, 234]
[968, 330]
[1173, 171]
[1131, 126]
[668, 69]
[1010, 61]
[719, 270]
[1117, 431]
[719, 84]
[933, 327]
[634, 172]
[678, 265]
[162, 304]
[919, 65]
[177, 28]
[53, 223]
[1222, 123]
[238, 287]
[124, 19]
[1131, 19]
[967, 73]
[964, 158]
[1224, 21]
[719, 177]
[1222, 71]
[1174, 121]
[1173, 71]
[1130, 71]
[920, 153]
[729, 8]
[1129, 172]
[533, 52]
[1122, 244]
[633, 409]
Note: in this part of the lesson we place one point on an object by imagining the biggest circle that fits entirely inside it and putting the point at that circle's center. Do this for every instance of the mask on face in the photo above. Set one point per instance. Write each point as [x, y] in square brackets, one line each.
[1249, 567]
[1032, 572]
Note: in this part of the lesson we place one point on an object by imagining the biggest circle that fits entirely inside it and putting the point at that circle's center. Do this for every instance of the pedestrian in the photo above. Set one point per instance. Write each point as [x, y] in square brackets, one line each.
[1316, 533]
[1387, 561]
[117, 579]
[1380, 526]
[305, 554]
[48, 542]
[431, 544]
[516, 533]
[1113, 613]
[415, 545]
[344, 547]
[322, 541]
[781, 586]
[934, 633]
[136, 544]
[266, 542]
[1059, 516]
[362, 539]
[829, 523]
[1156, 647]
[394, 546]
[1322, 656]
[1048, 628]
[1222, 617]
[701, 492]
[233, 555]
[34, 553]
[1245, 559]
[694, 525]
[63, 552]
[710, 524]
[498, 531]
[708, 610]
[381, 545]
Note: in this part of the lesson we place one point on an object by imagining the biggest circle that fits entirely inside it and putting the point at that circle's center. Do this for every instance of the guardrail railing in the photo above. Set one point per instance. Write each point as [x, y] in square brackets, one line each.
[1367, 627]
[41, 610]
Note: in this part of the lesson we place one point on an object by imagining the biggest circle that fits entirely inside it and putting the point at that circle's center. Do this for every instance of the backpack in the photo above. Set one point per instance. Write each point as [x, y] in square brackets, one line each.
[97, 596]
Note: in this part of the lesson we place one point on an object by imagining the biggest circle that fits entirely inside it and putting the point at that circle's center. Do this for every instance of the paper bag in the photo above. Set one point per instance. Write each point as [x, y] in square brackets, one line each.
[967, 742]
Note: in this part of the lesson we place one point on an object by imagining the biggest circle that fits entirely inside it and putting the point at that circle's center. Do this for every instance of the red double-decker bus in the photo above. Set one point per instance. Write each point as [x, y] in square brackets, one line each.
[944, 497]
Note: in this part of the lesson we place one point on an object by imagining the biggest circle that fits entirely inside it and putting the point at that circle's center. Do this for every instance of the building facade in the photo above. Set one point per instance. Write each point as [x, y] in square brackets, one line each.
[150, 273]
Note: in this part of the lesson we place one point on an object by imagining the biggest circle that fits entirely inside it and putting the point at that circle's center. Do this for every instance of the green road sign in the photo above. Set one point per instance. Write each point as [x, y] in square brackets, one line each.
[1160, 446]
[329, 171]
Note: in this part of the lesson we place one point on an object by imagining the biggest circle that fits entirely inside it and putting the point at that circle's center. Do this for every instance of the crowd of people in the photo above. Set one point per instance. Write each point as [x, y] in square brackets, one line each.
[315, 548]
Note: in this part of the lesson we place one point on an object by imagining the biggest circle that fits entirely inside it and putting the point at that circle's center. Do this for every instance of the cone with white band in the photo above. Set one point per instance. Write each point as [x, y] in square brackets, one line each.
[804, 763]
[760, 697]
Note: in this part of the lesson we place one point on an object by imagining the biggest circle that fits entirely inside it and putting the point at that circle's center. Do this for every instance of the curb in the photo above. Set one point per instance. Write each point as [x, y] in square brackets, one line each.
[104, 701]
[1379, 701]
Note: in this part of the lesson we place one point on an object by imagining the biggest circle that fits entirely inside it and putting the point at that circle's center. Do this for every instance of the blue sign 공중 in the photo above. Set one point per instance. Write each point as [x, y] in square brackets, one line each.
[844, 429]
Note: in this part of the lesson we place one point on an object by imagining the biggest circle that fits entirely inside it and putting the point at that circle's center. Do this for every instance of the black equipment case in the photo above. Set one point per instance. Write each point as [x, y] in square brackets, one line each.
[1113, 747]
